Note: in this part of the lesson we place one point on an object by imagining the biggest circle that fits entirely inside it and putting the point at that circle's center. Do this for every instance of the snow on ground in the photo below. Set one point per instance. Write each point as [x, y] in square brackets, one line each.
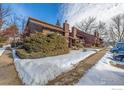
[1, 51]
[40, 71]
[103, 74]
[4, 48]
[117, 62]
[93, 49]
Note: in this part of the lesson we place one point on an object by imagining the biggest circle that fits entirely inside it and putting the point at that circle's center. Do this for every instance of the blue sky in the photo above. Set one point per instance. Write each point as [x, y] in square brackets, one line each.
[47, 12]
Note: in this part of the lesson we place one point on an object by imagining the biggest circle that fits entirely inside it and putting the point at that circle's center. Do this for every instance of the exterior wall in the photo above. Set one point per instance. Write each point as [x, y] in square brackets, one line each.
[74, 32]
[66, 29]
[89, 40]
[45, 31]
[35, 27]
[27, 31]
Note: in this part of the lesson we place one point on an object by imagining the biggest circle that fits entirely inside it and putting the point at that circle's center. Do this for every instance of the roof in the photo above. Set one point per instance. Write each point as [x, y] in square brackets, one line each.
[82, 34]
[44, 24]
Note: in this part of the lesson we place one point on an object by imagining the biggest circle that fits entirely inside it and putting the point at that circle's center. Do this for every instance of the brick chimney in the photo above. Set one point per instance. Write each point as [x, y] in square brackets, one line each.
[1, 21]
[96, 34]
[66, 28]
[74, 32]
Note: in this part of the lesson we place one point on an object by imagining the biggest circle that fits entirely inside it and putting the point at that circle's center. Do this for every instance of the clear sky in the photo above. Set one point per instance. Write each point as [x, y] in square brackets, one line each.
[47, 12]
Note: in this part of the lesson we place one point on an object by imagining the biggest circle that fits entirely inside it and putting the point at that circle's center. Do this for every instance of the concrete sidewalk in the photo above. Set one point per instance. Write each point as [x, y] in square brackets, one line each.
[8, 74]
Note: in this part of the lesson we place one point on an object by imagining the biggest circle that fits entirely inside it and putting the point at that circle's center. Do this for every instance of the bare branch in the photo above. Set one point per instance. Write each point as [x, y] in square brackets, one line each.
[4, 13]
[87, 25]
[117, 27]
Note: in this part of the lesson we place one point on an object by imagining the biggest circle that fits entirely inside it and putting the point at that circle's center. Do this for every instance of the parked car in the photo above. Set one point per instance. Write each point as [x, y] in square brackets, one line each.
[118, 51]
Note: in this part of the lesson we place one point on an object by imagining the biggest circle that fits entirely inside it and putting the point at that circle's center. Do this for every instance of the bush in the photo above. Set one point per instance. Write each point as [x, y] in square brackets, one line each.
[84, 50]
[39, 45]
[16, 44]
[2, 39]
[77, 45]
[97, 45]
[22, 53]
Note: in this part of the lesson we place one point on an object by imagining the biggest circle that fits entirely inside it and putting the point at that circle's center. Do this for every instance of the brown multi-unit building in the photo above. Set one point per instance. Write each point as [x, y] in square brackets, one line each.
[73, 34]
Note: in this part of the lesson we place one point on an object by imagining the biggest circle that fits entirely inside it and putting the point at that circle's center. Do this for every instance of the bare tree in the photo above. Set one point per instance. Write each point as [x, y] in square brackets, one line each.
[14, 26]
[117, 28]
[4, 13]
[87, 25]
[102, 30]
[14, 22]
[22, 23]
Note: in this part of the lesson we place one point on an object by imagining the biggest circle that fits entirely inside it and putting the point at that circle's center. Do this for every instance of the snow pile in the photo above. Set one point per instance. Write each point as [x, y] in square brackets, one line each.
[117, 62]
[6, 46]
[103, 74]
[40, 71]
[93, 49]
[1, 51]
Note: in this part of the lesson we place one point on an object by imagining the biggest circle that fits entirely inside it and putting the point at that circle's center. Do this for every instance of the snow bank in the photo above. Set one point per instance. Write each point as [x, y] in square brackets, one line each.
[103, 74]
[93, 49]
[4, 48]
[1, 51]
[117, 62]
[40, 71]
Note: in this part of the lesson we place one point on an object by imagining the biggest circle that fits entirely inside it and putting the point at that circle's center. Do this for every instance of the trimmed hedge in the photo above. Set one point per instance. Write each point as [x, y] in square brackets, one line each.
[39, 45]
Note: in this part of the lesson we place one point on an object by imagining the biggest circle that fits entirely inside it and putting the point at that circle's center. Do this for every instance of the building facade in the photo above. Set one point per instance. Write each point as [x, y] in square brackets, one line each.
[73, 34]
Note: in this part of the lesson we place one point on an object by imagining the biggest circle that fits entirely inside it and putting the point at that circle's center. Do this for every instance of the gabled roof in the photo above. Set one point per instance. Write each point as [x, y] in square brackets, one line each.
[44, 24]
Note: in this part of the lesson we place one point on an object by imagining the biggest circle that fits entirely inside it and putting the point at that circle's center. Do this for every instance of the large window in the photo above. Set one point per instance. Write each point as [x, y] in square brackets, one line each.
[35, 27]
